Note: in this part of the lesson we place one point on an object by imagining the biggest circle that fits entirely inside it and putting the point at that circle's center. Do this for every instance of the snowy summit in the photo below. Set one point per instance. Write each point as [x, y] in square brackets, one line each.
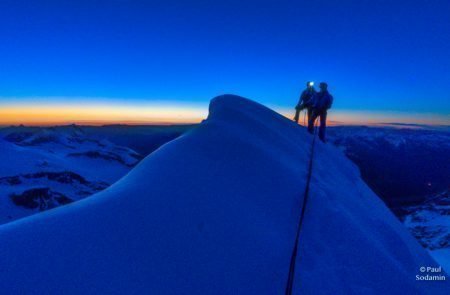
[215, 212]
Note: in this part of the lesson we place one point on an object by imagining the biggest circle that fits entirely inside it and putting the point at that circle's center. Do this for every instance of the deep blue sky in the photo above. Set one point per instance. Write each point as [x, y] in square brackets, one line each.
[375, 55]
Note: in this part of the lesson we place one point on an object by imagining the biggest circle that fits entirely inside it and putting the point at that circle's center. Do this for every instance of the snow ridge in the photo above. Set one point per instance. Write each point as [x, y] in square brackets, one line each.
[215, 212]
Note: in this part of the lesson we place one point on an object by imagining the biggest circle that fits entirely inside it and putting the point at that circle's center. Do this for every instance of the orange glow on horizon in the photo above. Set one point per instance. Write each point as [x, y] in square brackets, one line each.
[100, 115]
[166, 114]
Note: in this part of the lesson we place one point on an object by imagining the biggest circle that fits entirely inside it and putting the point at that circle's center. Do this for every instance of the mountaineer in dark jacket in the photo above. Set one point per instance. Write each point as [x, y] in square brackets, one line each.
[306, 101]
[322, 104]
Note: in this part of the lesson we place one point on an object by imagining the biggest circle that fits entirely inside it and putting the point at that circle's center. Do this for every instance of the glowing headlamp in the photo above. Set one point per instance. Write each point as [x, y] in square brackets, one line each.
[311, 84]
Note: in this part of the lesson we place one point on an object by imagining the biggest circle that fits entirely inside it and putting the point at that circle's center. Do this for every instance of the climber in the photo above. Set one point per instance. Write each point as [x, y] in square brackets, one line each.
[322, 103]
[306, 101]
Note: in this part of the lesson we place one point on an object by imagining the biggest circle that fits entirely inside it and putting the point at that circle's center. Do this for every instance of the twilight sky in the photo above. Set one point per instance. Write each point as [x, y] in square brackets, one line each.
[163, 60]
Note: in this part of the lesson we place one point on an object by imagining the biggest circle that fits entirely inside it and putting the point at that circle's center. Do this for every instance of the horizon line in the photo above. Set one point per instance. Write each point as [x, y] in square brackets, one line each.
[330, 123]
[159, 113]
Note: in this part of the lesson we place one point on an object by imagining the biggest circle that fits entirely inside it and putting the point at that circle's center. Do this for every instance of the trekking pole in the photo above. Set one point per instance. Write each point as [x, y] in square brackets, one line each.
[290, 281]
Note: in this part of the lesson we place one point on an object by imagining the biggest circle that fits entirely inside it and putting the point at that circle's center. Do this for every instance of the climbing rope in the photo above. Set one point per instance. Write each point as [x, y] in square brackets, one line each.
[290, 281]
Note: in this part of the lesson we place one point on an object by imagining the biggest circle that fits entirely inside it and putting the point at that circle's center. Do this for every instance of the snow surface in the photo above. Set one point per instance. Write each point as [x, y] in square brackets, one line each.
[429, 222]
[63, 160]
[215, 212]
[443, 257]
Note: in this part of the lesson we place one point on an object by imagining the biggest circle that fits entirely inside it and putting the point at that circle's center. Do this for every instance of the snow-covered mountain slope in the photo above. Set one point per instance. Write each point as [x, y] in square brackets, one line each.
[215, 212]
[430, 224]
[43, 168]
[410, 172]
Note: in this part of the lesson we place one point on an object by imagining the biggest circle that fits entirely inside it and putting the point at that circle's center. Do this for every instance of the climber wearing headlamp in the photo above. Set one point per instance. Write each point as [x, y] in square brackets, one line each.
[306, 101]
